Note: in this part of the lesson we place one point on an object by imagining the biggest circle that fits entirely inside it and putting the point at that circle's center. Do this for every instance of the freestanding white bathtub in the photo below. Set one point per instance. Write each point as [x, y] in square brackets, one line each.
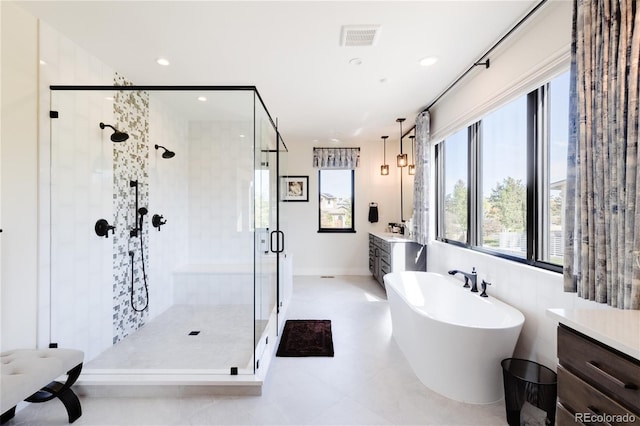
[453, 339]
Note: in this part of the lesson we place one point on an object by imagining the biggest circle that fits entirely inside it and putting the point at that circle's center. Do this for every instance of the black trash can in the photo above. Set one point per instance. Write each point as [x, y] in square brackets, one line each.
[530, 392]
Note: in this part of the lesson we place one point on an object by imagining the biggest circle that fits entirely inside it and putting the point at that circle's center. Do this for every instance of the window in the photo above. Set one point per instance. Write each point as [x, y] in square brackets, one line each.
[504, 177]
[336, 196]
[456, 186]
[556, 171]
[503, 191]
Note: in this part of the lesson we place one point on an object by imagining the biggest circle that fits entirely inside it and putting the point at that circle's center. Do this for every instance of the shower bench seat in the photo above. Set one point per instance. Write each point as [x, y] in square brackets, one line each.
[29, 375]
[219, 284]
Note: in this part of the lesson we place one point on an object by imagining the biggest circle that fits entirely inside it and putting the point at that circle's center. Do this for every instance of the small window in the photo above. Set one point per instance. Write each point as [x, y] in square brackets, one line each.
[336, 196]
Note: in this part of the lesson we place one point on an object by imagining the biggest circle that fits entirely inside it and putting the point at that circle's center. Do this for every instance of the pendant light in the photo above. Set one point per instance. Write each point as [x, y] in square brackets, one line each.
[384, 169]
[402, 158]
[412, 166]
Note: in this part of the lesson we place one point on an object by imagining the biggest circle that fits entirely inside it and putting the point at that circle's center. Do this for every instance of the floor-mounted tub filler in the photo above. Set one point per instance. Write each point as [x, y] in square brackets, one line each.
[453, 339]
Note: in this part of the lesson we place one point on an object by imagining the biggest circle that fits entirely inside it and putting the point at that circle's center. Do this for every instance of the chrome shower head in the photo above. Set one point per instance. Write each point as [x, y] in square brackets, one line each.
[166, 153]
[117, 135]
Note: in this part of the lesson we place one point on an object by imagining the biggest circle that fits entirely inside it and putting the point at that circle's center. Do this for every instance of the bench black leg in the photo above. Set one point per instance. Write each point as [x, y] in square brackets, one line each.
[63, 392]
[7, 415]
[72, 404]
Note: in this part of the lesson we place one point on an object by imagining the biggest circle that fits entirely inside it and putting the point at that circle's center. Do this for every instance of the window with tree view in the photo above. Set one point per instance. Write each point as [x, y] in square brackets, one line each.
[336, 200]
[510, 202]
[504, 178]
[456, 186]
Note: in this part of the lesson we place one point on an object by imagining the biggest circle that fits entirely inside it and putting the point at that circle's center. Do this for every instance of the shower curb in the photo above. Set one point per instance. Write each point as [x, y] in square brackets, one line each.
[150, 385]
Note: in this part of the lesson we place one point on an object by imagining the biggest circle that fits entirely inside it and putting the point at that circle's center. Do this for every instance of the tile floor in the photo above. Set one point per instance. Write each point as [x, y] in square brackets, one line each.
[367, 382]
[225, 340]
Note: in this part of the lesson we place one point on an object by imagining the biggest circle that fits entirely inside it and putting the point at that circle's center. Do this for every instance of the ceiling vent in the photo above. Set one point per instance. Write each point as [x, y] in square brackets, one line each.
[359, 35]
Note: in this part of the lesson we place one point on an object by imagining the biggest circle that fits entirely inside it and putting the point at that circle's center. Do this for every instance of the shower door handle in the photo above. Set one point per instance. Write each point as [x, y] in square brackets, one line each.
[279, 241]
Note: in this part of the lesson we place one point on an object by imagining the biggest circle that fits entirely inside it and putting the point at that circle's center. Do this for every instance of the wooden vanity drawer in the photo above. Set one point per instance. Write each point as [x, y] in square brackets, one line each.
[385, 268]
[381, 244]
[564, 417]
[577, 396]
[613, 373]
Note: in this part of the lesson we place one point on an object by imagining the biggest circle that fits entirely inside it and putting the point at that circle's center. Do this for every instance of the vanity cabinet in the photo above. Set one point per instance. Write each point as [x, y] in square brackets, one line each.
[595, 380]
[392, 253]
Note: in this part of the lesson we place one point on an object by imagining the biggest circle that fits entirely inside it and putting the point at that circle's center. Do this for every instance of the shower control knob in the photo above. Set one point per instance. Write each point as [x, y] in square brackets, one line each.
[157, 221]
[102, 228]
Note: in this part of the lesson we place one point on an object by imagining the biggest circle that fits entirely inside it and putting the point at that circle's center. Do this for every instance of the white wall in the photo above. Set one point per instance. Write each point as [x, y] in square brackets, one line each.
[168, 196]
[531, 290]
[19, 180]
[340, 254]
[221, 191]
[536, 52]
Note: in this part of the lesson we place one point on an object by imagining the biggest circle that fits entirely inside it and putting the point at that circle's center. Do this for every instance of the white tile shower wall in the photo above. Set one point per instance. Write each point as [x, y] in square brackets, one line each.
[74, 263]
[131, 159]
[531, 290]
[220, 193]
[168, 196]
[202, 288]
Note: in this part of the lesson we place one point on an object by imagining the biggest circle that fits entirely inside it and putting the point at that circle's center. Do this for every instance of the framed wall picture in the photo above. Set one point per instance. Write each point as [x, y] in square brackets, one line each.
[295, 188]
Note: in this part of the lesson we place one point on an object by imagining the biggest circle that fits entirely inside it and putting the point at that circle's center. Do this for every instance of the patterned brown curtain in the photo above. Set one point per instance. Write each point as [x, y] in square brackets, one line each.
[421, 180]
[602, 242]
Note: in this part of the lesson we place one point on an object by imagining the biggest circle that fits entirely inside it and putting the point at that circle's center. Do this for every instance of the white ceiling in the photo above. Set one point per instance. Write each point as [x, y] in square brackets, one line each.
[290, 50]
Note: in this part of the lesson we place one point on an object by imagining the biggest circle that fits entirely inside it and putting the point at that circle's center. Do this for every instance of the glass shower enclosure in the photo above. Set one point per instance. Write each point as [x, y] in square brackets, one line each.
[166, 241]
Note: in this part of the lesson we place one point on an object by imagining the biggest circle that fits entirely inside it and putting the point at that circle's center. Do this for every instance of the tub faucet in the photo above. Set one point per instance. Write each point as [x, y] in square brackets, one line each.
[473, 277]
[484, 288]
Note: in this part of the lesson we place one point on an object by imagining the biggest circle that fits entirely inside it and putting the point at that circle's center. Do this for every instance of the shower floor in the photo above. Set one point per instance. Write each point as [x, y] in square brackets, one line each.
[225, 339]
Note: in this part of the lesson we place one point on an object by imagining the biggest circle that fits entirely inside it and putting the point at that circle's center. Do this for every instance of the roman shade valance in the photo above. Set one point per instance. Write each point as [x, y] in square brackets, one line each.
[336, 158]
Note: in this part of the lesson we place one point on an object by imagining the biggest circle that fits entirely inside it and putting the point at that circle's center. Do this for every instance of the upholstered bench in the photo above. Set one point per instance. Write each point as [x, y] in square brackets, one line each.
[29, 375]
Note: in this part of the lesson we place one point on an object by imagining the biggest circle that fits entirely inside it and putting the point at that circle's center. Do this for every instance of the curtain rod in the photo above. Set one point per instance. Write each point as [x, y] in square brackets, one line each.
[491, 49]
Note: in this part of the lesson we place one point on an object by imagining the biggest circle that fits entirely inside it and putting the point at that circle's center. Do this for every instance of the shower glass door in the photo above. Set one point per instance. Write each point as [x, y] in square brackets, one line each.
[285, 273]
[81, 275]
[163, 246]
[267, 237]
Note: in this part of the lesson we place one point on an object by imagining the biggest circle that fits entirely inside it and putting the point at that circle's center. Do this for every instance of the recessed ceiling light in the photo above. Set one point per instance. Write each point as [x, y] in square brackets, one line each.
[42, 62]
[162, 61]
[202, 99]
[108, 98]
[242, 136]
[334, 140]
[428, 61]
[356, 61]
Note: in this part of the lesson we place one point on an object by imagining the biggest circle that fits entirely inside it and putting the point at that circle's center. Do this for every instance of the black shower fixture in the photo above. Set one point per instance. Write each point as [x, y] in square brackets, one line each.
[166, 153]
[117, 135]
[102, 228]
[157, 221]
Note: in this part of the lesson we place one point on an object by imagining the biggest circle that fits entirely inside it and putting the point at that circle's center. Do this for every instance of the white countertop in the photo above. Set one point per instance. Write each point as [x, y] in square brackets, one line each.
[617, 328]
[392, 238]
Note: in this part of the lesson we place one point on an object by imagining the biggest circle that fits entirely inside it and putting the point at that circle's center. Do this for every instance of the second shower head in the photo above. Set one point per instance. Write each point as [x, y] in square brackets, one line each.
[117, 135]
[166, 153]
